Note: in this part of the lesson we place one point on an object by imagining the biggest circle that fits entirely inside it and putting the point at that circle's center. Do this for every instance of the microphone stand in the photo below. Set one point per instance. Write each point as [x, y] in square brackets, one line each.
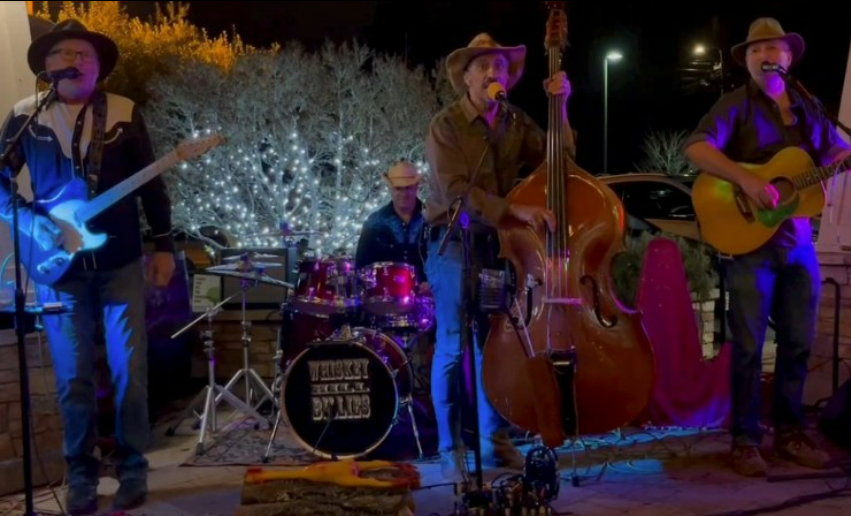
[461, 219]
[10, 159]
[796, 84]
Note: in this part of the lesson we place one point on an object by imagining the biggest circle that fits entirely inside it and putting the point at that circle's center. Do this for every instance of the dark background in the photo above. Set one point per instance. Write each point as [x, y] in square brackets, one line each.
[648, 89]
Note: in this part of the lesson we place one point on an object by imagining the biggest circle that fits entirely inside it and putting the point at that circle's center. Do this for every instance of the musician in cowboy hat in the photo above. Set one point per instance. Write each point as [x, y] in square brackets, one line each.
[751, 125]
[99, 139]
[476, 149]
[393, 233]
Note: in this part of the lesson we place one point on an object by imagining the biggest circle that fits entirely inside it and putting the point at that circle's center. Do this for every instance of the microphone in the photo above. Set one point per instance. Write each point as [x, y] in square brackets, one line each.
[65, 73]
[773, 67]
[496, 91]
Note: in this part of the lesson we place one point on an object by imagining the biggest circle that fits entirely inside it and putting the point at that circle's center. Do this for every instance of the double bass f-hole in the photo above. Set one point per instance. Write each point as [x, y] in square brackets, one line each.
[595, 292]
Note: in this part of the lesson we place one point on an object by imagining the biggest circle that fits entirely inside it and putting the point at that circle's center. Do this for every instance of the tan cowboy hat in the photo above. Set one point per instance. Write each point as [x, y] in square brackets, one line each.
[483, 43]
[763, 29]
[403, 174]
[73, 29]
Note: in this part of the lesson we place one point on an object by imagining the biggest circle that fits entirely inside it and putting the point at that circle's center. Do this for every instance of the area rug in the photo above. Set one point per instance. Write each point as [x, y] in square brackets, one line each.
[241, 445]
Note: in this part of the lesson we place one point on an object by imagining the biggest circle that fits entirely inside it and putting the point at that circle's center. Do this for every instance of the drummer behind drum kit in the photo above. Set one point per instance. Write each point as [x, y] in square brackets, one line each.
[339, 389]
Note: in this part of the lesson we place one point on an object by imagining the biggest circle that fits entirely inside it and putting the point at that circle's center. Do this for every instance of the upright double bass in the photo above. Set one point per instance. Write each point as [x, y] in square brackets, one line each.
[569, 358]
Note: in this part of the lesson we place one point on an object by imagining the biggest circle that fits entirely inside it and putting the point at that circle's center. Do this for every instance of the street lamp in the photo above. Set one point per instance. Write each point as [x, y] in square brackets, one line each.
[611, 56]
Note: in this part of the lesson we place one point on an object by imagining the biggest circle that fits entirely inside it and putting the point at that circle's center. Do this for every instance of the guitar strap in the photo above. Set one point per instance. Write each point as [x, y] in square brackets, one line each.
[96, 146]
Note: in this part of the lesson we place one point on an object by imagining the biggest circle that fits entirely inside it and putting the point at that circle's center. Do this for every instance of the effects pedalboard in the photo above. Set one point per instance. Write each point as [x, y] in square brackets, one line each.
[526, 494]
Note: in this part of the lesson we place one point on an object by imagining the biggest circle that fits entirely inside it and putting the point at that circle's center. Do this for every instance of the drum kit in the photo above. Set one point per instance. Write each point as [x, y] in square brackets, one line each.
[344, 373]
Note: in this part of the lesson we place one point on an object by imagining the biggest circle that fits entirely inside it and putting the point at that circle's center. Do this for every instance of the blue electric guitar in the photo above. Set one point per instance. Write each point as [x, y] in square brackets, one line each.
[71, 211]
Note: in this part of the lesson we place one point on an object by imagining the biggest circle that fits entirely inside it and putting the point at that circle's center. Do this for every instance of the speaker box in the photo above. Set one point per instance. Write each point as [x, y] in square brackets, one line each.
[835, 418]
[263, 295]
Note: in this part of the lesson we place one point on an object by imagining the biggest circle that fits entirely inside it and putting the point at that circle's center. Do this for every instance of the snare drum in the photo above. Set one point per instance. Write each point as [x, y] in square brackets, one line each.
[418, 320]
[389, 288]
[325, 286]
[341, 396]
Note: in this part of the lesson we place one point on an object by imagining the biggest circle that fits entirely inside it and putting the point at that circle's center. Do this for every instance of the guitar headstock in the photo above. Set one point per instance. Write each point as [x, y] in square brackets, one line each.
[193, 148]
[556, 26]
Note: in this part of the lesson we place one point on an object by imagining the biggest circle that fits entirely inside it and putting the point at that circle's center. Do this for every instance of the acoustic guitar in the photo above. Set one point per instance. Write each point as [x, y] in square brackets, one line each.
[734, 224]
[71, 211]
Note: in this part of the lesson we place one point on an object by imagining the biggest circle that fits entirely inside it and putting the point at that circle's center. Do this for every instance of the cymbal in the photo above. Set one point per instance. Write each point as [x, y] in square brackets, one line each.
[245, 256]
[243, 266]
[256, 276]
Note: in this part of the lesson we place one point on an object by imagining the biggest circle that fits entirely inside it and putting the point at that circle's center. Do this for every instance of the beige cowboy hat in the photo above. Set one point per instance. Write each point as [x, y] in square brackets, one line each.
[763, 29]
[403, 174]
[482, 44]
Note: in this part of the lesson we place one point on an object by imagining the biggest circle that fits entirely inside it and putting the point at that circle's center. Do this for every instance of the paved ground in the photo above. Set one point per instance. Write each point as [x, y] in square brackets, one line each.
[656, 472]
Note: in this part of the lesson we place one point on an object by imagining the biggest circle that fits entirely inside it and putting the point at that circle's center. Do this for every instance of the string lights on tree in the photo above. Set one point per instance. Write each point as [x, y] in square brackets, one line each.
[307, 139]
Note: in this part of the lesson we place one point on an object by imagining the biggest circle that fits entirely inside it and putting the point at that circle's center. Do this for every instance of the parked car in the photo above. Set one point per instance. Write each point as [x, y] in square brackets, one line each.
[656, 202]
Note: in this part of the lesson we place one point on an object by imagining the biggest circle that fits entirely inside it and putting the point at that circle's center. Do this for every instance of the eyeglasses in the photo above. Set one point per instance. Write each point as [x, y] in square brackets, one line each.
[68, 54]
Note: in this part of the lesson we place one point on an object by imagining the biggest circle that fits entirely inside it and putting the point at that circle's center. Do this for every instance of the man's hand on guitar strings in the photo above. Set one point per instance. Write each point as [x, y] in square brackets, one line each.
[44, 232]
[762, 192]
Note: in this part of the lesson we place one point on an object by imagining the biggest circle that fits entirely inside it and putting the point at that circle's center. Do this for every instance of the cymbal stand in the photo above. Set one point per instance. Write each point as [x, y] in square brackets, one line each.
[280, 368]
[247, 372]
[206, 396]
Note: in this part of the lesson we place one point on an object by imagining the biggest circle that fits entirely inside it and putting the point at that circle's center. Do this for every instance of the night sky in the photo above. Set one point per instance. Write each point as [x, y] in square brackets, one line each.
[645, 89]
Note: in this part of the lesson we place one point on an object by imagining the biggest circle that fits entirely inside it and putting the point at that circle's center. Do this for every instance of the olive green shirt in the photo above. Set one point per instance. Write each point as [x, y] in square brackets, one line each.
[458, 138]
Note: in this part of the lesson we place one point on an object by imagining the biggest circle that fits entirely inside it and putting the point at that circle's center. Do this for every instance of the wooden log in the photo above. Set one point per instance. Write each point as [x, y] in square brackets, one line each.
[374, 488]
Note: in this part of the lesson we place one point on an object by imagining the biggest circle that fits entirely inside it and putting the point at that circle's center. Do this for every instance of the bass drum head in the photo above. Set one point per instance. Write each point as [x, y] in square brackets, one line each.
[340, 399]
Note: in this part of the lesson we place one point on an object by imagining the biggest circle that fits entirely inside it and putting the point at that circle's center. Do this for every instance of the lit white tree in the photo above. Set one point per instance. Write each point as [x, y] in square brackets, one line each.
[307, 139]
[663, 152]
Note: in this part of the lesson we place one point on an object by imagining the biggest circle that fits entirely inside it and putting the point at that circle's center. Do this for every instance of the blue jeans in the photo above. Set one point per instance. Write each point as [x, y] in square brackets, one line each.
[445, 279]
[118, 298]
[784, 283]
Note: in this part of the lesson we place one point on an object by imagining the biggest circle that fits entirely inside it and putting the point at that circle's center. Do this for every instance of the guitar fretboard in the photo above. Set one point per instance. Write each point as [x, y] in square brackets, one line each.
[818, 174]
[99, 204]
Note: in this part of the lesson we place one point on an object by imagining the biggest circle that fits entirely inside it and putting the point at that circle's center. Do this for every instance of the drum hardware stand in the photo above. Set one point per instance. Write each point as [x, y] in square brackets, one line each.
[246, 371]
[279, 379]
[409, 402]
[206, 395]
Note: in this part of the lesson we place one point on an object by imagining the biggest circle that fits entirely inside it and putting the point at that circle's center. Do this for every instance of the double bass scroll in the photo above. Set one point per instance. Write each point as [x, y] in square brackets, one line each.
[583, 363]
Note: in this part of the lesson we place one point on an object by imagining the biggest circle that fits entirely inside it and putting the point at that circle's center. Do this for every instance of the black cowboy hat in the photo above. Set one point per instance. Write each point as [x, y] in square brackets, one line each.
[72, 29]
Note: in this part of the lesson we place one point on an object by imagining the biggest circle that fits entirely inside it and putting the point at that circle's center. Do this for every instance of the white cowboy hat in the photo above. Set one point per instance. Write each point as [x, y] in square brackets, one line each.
[403, 174]
[482, 44]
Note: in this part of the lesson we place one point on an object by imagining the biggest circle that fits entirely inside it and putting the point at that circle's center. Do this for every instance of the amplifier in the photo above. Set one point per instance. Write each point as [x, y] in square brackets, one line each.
[262, 295]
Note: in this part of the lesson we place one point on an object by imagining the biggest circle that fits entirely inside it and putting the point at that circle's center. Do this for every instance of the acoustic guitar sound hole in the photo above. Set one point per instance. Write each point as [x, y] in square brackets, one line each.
[785, 189]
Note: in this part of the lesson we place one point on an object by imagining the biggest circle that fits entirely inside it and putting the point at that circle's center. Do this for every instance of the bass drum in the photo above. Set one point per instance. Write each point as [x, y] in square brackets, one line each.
[341, 396]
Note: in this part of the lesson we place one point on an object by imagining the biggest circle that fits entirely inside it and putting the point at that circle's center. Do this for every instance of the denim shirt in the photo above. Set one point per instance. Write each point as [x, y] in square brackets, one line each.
[746, 125]
[385, 237]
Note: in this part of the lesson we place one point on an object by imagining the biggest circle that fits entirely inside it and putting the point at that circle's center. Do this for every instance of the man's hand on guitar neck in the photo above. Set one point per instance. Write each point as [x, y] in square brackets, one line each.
[41, 229]
[763, 193]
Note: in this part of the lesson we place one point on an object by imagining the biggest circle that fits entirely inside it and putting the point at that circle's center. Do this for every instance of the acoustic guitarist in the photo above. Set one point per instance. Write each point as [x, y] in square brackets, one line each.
[100, 137]
[751, 125]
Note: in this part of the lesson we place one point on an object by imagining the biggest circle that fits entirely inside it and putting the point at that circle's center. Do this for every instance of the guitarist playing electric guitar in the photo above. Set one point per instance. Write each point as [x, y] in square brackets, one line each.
[98, 140]
[759, 213]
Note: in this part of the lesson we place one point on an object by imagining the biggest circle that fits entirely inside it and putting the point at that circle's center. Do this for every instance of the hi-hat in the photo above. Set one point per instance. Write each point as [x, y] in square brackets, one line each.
[257, 276]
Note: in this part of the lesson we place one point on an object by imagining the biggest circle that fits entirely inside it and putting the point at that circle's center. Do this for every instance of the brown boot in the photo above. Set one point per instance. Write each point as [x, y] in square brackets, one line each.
[500, 452]
[747, 461]
[800, 449]
[453, 466]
